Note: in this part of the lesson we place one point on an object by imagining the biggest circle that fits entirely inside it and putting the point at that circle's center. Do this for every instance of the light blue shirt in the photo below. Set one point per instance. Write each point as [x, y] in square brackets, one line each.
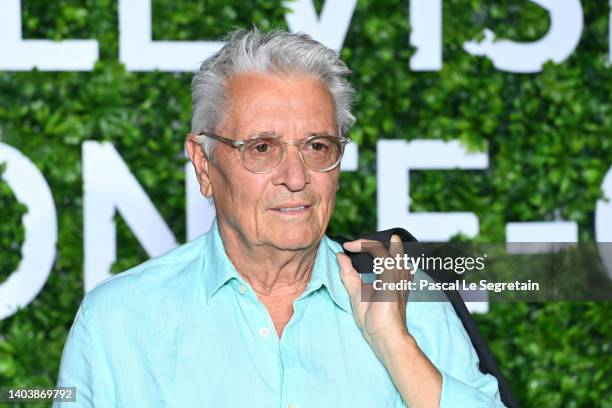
[186, 330]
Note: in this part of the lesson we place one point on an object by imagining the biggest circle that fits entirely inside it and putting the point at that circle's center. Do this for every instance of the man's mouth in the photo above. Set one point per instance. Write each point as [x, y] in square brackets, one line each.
[300, 208]
[292, 208]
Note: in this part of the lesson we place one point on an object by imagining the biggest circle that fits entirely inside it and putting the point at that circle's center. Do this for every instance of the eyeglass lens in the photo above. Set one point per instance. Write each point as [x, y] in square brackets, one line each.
[265, 154]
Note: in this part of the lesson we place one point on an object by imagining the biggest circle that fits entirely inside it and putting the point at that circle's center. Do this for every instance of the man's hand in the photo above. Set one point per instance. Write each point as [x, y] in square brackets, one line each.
[381, 316]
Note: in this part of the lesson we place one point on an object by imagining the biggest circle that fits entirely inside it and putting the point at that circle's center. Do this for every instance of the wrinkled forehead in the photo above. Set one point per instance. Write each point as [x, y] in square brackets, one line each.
[288, 106]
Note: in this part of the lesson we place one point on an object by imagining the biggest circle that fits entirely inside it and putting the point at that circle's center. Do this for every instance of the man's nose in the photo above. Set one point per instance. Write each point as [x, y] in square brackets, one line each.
[292, 172]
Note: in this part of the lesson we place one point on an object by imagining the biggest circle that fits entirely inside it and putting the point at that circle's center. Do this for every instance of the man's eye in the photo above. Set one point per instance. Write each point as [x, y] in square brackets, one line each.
[262, 147]
[318, 146]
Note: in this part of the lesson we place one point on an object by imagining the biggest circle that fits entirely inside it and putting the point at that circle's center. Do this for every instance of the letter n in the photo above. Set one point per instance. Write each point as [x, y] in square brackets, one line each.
[109, 187]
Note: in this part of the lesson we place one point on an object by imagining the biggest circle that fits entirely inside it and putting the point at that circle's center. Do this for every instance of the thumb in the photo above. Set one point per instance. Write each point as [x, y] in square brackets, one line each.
[348, 274]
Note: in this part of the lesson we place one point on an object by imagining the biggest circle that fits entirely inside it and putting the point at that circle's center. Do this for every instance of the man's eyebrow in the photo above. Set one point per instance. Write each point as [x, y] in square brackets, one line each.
[323, 133]
[273, 135]
[266, 133]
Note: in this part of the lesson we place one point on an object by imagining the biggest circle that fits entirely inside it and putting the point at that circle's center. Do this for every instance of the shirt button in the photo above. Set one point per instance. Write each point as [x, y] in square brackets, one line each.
[263, 332]
[242, 289]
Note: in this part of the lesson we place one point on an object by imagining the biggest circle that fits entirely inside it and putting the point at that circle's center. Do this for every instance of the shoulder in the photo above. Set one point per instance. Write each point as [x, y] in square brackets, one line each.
[147, 287]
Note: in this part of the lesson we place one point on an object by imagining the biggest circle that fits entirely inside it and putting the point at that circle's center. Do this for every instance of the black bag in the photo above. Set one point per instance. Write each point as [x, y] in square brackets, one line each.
[487, 364]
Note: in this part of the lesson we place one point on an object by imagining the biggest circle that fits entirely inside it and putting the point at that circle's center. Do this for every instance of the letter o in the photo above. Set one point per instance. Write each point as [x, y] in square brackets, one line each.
[40, 223]
[603, 223]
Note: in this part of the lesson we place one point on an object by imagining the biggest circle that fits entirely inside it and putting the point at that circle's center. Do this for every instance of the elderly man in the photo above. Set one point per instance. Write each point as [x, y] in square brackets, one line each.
[264, 310]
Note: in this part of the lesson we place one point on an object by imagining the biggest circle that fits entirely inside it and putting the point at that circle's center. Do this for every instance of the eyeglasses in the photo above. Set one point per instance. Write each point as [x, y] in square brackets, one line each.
[263, 154]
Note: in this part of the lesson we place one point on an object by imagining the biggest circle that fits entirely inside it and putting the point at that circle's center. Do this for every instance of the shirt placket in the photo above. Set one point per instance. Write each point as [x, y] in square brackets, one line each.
[291, 373]
[264, 334]
[292, 393]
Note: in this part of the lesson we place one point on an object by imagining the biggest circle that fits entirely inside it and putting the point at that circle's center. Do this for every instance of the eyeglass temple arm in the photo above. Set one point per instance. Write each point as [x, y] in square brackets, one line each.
[236, 143]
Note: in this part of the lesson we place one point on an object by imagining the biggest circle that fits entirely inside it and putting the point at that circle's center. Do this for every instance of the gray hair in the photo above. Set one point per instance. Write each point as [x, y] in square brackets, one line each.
[276, 51]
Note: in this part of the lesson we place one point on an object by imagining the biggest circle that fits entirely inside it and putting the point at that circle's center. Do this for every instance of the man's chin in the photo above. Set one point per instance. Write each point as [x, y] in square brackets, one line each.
[292, 232]
[295, 237]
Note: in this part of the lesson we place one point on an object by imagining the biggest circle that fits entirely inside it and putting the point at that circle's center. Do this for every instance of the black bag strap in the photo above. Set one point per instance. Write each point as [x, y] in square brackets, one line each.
[487, 364]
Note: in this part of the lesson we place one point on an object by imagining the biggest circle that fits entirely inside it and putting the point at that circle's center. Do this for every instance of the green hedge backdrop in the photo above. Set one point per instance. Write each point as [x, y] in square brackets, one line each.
[549, 136]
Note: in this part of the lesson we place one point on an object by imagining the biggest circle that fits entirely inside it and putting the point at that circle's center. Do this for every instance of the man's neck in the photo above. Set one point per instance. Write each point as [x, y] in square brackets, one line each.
[270, 271]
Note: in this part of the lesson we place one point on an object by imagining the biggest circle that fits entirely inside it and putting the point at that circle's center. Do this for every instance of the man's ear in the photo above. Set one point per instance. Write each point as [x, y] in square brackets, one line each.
[201, 164]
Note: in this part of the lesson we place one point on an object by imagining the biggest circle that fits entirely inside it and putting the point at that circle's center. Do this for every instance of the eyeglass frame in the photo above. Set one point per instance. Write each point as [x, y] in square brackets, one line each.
[241, 144]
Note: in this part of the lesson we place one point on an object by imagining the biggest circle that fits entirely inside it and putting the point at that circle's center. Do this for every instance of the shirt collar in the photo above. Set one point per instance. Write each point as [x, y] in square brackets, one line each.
[219, 270]
[326, 273]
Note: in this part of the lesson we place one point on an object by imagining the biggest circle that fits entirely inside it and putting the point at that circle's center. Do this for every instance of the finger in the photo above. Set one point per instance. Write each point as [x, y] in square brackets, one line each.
[368, 246]
[349, 276]
[394, 273]
[357, 245]
[396, 249]
[396, 246]
[401, 270]
[377, 250]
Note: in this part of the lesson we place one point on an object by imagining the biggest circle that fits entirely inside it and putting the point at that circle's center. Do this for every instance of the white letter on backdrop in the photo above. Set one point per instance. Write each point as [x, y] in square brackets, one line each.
[566, 22]
[426, 34]
[330, 29]
[40, 225]
[17, 54]
[603, 223]
[395, 159]
[139, 52]
[109, 186]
